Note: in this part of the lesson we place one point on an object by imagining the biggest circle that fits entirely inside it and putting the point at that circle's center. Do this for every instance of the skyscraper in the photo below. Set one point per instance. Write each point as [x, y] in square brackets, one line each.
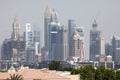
[116, 49]
[62, 52]
[71, 31]
[76, 45]
[53, 31]
[101, 46]
[36, 38]
[16, 30]
[52, 35]
[80, 31]
[94, 38]
[14, 47]
[47, 20]
[108, 49]
[28, 35]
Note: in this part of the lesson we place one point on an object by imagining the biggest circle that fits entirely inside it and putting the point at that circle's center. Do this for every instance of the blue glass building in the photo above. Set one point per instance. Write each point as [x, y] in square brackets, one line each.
[52, 39]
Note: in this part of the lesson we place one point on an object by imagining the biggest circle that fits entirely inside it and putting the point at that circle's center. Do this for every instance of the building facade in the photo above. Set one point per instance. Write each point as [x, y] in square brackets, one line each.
[80, 31]
[116, 49]
[53, 32]
[71, 31]
[94, 41]
[28, 35]
[14, 47]
[47, 20]
[62, 52]
[101, 46]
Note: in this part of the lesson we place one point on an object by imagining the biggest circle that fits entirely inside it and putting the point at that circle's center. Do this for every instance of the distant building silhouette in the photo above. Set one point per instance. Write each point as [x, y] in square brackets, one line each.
[28, 35]
[53, 31]
[78, 46]
[116, 49]
[16, 43]
[71, 31]
[47, 20]
[94, 41]
[62, 52]
[108, 49]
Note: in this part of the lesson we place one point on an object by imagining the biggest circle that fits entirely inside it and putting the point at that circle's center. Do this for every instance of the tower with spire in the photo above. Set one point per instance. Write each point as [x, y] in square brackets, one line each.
[54, 16]
[47, 20]
[16, 30]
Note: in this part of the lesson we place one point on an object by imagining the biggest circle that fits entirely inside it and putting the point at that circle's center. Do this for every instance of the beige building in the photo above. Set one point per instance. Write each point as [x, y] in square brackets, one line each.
[101, 46]
[77, 45]
[39, 74]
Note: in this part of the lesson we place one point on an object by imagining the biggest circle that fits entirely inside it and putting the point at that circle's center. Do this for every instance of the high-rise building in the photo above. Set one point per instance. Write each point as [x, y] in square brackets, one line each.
[52, 35]
[28, 35]
[14, 47]
[47, 20]
[101, 46]
[16, 30]
[94, 44]
[108, 49]
[0, 50]
[8, 48]
[62, 52]
[53, 32]
[36, 38]
[80, 31]
[116, 49]
[78, 46]
[71, 31]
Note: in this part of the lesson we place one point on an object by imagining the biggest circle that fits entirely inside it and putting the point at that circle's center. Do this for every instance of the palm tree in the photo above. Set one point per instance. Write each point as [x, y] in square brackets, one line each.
[15, 77]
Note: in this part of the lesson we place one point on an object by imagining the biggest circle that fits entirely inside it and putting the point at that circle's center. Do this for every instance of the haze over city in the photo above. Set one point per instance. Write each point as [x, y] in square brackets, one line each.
[106, 13]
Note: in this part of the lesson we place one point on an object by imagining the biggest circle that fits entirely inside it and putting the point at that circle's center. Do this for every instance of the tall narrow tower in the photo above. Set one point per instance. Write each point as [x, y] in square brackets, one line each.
[71, 31]
[16, 30]
[47, 20]
[62, 52]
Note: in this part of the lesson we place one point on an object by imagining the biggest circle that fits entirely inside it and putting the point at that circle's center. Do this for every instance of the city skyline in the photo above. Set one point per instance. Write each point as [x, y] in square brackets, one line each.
[106, 14]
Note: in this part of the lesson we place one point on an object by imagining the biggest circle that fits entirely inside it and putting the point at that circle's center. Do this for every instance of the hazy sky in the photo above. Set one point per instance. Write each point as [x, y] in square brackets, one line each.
[106, 12]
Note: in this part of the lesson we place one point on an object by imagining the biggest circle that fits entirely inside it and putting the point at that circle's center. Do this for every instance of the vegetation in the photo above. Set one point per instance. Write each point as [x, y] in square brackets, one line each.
[117, 75]
[101, 73]
[3, 70]
[15, 77]
[89, 72]
[55, 65]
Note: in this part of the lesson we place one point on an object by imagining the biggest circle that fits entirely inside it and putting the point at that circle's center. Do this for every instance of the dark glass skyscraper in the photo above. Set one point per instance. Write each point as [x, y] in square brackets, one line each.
[116, 49]
[52, 37]
[62, 44]
[94, 41]
[71, 28]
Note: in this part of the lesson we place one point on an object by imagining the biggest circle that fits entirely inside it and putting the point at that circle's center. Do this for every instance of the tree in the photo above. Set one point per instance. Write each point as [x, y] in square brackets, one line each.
[15, 77]
[55, 65]
[118, 75]
[103, 73]
[87, 72]
[75, 71]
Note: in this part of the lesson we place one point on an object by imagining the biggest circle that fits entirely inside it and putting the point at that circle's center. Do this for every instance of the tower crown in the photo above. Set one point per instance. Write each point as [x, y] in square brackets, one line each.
[94, 25]
[47, 12]
[54, 16]
[16, 30]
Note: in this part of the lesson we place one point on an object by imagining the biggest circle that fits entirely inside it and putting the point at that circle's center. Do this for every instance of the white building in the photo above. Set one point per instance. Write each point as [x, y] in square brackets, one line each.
[101, 46]
[28, 35]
